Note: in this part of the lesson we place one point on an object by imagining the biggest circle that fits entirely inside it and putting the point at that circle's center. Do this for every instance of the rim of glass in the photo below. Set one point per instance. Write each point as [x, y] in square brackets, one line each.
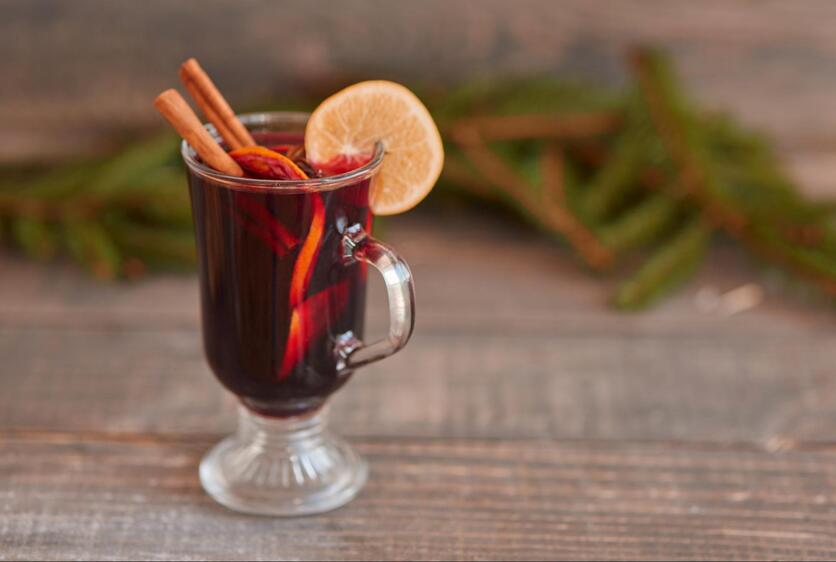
[265, 120]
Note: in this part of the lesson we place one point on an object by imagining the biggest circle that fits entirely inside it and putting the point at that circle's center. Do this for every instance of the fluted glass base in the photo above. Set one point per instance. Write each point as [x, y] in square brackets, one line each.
[274, 466]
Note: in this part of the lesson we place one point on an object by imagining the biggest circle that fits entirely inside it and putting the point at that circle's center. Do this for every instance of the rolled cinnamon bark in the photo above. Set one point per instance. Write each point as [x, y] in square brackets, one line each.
[175, 109]
[213, 104]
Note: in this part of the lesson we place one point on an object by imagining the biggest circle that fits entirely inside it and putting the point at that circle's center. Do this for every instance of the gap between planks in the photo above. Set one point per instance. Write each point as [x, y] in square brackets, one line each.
[58, 437]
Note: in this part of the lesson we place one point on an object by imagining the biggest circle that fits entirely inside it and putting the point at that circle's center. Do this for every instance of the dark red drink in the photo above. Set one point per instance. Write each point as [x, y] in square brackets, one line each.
[276, 293]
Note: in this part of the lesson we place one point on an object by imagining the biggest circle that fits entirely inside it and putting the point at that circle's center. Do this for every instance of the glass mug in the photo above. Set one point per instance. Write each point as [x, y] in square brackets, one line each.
[282, 290]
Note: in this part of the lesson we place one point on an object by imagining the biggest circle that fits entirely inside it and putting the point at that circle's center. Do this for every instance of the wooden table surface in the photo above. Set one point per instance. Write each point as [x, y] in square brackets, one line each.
[524, 420]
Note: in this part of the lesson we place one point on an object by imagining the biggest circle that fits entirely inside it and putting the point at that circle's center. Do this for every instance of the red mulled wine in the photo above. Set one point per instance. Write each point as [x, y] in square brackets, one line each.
[275, 291]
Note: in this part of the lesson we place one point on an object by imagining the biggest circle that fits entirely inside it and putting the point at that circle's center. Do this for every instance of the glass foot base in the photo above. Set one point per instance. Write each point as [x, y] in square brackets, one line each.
[282, 467]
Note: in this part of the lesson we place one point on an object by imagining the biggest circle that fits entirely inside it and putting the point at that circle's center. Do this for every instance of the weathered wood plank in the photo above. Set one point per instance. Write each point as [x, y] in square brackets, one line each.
[515, 344]
[772, 65]
[767, 390]
[96, 497]
[512, 340]
[474, 273]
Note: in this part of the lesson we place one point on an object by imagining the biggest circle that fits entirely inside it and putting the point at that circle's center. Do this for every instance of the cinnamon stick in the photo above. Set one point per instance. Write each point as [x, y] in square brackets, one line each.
[191, 71]
[175, 109]
[211, 115]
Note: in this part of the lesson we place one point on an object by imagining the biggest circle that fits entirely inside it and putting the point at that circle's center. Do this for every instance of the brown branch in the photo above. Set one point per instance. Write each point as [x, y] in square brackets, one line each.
[554, 216]
[552, 170]
[458, 174]
[693, 179]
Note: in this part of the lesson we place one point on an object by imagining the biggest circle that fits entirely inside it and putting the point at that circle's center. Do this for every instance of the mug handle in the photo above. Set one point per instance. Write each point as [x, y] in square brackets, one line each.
[359, 246]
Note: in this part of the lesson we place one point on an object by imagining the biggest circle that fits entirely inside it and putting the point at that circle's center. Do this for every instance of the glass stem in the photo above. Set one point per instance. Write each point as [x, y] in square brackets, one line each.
[283, 466]
[282, 434]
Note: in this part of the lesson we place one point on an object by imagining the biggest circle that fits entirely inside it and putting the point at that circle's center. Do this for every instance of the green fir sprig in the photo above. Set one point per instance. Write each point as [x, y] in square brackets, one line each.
[639, 179]
[117, 215]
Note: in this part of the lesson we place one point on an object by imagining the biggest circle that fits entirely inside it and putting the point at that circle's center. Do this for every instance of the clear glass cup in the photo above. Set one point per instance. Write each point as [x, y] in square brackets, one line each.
[282, 287]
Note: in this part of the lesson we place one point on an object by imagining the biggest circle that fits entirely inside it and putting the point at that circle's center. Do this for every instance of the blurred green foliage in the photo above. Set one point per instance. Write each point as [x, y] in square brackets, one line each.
[652, 191]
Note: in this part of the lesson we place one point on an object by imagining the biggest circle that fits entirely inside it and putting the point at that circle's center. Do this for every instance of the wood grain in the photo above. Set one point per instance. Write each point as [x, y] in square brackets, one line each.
[524, 421]
[512, 340]
[599, 387]
[87, 496]
[474, 272]
[772, 64]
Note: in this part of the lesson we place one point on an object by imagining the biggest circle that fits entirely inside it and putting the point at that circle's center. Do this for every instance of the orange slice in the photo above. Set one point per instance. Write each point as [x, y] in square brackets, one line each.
[349, 123]
[267, 164]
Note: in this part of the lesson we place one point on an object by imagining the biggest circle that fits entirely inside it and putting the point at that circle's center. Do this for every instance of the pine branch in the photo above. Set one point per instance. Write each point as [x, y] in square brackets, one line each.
[555, 217]
[669, 267]
[675, 126]
[611, 173]
[71, 209]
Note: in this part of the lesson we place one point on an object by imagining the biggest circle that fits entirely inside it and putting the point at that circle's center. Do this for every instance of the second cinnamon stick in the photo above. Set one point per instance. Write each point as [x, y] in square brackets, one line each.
[175, 109]
[191, 71]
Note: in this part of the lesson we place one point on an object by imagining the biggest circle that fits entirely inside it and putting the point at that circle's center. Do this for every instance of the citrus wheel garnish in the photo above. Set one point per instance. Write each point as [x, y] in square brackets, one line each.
[346, 126]
[264, 163]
